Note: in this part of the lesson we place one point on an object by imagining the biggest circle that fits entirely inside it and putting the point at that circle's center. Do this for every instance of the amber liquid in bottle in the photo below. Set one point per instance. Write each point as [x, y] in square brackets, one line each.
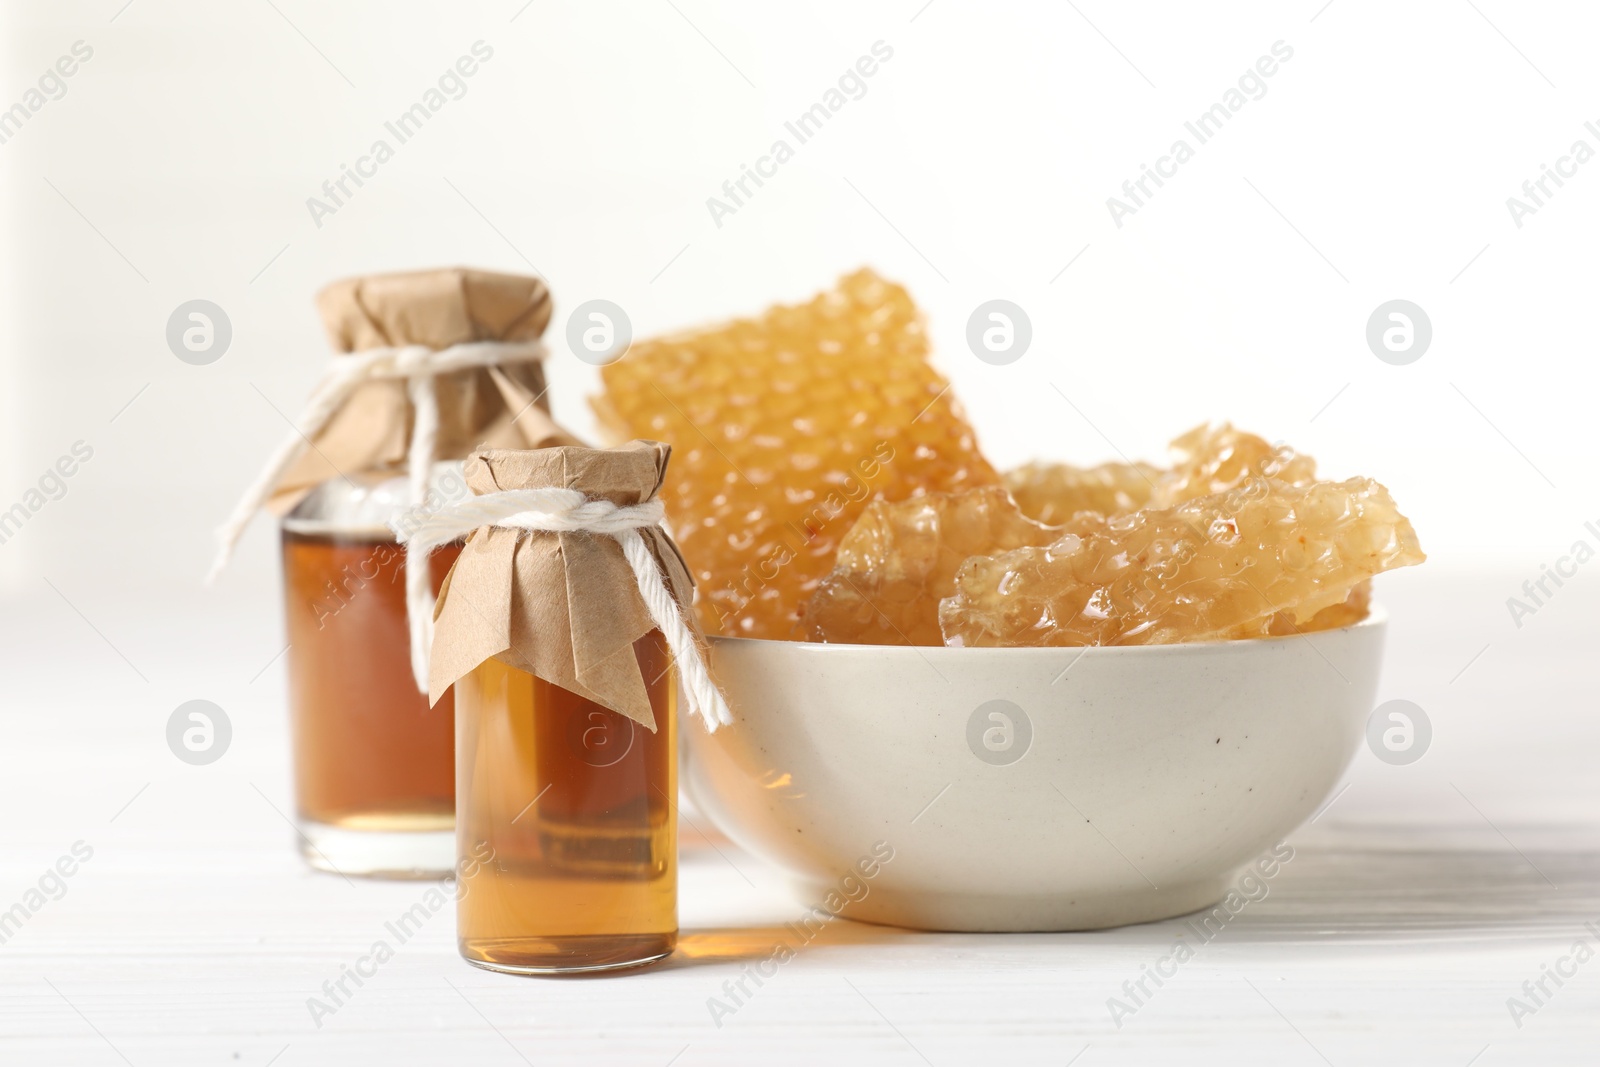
[568, 812]
[369, 754]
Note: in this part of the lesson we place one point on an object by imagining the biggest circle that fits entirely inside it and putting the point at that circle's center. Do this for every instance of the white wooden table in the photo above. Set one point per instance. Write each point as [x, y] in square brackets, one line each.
[1416, 905]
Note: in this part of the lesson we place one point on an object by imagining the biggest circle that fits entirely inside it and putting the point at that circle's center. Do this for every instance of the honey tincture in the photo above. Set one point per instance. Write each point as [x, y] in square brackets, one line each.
[574, 806]
[374, 769]
[566, 686]
[428, 365]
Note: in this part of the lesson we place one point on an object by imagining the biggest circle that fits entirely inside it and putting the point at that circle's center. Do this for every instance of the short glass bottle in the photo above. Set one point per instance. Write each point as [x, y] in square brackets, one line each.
[374, 765]
[568, 811]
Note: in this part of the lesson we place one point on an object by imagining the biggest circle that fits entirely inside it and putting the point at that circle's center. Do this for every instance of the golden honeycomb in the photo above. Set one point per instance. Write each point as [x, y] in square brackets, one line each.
[1215, 459]
[901, 558]
[784, 427]
[1345, 613]
[1209, 459]
[1052, 493]
[1230, 564]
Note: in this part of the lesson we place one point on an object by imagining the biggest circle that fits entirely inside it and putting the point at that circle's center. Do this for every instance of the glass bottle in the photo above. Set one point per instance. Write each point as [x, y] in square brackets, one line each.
[571, 809]
[429, 365]
[373, 763]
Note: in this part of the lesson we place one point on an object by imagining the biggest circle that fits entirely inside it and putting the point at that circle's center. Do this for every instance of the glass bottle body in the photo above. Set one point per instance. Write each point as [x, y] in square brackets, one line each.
[568, 812]
[374, 765]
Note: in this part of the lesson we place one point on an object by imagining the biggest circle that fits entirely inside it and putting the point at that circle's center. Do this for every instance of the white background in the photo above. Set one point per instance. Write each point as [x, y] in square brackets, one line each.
[589, 144]
[978, 165]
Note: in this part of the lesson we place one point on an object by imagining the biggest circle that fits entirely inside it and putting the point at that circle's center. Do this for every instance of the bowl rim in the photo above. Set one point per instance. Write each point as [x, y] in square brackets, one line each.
[1377, 618]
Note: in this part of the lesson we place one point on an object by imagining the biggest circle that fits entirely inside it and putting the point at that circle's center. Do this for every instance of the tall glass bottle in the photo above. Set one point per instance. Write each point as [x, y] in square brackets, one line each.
[428, 366]
[574, 805]
[374, 770]
[566, 707]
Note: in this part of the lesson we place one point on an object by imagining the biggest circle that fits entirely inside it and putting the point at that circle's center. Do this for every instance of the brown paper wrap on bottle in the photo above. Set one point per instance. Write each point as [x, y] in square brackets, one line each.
[491, 407]
[562, 606]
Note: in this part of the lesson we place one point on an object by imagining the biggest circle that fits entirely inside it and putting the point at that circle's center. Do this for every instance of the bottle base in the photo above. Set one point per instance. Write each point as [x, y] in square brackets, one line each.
[402, 854]
[567, 955]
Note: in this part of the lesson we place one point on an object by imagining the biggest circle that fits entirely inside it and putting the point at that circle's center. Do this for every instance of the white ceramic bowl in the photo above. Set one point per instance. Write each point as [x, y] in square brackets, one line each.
[1107, 786]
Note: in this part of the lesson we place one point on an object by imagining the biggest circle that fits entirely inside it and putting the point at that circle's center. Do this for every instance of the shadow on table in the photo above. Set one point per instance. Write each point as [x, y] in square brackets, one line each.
[736, 943]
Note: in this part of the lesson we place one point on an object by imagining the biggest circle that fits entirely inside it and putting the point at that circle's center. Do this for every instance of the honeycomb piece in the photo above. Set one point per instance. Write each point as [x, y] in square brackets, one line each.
[1215, 459]
[1208, 568]
[900, 559]
[1346, 613]
[784, 427]
[1052, 493]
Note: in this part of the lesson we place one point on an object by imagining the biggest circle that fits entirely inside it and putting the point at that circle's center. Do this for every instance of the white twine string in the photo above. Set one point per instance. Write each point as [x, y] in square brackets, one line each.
[562, 511]
[419, 365]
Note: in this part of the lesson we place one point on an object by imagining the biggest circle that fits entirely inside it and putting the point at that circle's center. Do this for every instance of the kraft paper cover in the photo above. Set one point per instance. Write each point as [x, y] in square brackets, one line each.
[562, 606]
[480, 408]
